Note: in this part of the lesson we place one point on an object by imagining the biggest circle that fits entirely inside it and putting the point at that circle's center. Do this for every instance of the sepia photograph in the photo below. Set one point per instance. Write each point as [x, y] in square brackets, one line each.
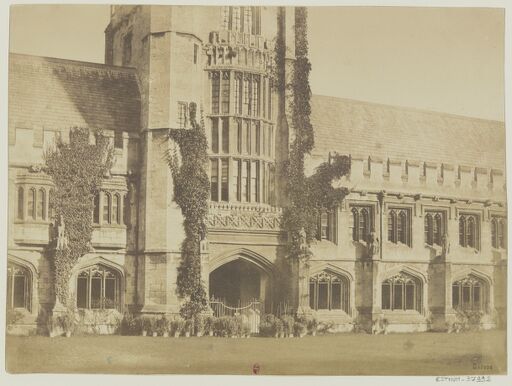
[256, 189]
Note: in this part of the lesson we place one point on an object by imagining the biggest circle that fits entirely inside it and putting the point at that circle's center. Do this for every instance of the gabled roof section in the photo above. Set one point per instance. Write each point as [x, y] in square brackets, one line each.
[369, 129]
[58, 94]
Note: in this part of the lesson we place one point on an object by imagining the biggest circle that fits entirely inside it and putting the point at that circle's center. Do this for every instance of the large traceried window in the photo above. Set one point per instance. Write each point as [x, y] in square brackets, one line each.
[499, 232]
[434, 228]
[19, 285]
[362, 223]
[402, 292]
[469, 293]
[399, 224]
[329, 291]
[469, 231]
[98, 287]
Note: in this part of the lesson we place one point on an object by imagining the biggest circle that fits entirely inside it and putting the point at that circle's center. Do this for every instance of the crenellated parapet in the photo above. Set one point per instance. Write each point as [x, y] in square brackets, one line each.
[410, 175]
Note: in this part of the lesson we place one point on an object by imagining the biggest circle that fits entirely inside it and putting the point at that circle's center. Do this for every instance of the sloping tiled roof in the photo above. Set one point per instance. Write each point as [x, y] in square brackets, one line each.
[58, 94]
[368, 129]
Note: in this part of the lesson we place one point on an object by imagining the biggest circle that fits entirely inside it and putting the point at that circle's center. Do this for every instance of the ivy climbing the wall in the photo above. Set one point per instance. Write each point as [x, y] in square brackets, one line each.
[191, 192]
[308, 196]
[77, 169]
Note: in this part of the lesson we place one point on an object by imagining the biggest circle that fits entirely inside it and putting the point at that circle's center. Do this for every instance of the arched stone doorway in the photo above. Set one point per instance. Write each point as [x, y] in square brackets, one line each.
[241, 280]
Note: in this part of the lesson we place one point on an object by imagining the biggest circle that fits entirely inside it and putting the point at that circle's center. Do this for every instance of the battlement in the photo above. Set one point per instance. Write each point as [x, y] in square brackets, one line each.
[424, 176]
[28, 142]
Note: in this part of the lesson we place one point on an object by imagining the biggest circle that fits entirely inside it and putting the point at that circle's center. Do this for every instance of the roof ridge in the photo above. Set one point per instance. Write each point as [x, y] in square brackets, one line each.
[72, 62]
[407, 108]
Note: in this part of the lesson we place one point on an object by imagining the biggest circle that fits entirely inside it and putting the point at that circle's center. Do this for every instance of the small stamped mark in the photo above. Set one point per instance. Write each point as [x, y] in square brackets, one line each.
[256, 368]
[478, 364]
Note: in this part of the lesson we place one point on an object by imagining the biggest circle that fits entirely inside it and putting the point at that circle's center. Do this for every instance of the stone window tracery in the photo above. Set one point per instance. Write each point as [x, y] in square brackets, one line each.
[469, 294]
[362, 223]
[499, 232]
[401, 292]
[329, 291]
[399, 224]
[469, 231]
[98, 287]
[434, 228]
[19, 285]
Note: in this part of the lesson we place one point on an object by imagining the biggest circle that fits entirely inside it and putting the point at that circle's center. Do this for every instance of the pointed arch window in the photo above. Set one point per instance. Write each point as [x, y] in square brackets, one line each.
[469, 231]
[434, 228]
[401, 292]
[399, 225]
[362, 223]
[98, 287]
[329, 291]
[469, 293]
[19, 285]
[498, 232]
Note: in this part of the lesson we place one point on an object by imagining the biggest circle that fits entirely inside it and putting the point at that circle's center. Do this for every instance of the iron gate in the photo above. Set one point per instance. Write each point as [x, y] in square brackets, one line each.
[251, 311]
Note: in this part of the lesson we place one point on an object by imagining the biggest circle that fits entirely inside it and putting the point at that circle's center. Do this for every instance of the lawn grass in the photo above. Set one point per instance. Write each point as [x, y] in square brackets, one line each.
[341, 354]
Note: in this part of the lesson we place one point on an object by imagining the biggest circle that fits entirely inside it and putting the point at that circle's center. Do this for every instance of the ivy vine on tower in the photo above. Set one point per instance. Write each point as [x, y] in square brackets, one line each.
[77, 169]
[308, 196]
[191, 193]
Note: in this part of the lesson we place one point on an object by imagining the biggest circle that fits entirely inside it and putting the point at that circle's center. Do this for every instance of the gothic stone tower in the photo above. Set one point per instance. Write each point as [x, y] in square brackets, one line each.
[220, 58]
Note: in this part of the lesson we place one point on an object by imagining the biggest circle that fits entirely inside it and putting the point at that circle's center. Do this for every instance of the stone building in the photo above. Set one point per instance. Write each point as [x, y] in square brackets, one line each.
[422, 232]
